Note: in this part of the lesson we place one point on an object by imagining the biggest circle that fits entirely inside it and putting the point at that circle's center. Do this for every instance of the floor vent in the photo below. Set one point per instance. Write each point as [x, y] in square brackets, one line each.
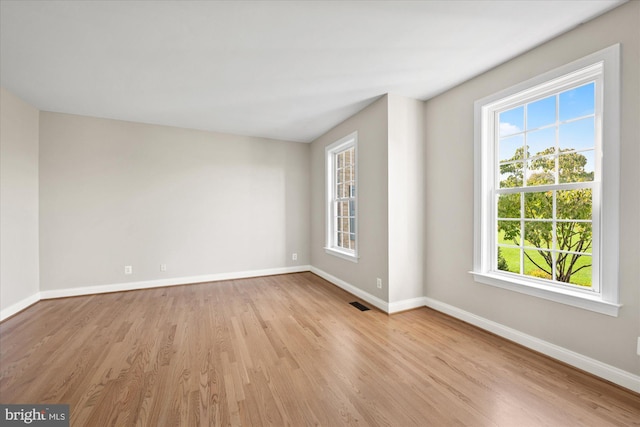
[359, 306]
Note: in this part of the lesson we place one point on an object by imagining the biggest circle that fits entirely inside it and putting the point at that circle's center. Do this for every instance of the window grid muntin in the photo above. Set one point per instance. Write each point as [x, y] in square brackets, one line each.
[557, 123]
[338, 244]
[344, 192]
[606, 65]
[594, 185]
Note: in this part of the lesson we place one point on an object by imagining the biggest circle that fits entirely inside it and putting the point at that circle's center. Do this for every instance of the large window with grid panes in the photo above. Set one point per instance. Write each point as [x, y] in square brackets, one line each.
[546, 201]
[341, 180]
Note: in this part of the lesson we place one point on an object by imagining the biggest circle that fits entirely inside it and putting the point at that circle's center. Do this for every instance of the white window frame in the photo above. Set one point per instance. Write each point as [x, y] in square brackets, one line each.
[604, 68]
[331, 246]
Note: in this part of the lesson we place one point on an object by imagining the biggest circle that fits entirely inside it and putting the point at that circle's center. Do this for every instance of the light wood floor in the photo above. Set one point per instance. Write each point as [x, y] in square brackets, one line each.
[284, 350]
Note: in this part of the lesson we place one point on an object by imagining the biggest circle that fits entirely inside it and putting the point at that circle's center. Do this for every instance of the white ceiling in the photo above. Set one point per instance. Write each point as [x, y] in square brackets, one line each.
[283, 70]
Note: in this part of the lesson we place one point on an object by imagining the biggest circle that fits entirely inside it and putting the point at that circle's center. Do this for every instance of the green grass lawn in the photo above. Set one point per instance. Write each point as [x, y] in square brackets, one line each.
[512, 257]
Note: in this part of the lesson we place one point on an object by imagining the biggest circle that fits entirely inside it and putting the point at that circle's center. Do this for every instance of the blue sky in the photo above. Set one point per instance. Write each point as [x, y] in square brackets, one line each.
[576, 134]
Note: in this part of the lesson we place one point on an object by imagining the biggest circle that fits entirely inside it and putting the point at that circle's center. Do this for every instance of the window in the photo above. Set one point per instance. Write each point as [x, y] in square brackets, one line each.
[546, 205]
[341, 170]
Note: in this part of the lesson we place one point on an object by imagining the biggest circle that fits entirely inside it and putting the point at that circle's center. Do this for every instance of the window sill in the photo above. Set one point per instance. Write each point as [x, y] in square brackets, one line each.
[562, 296]
[341, 254]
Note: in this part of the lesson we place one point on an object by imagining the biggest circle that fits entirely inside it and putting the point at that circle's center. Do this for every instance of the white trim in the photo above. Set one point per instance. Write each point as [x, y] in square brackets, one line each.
[19, 306]
[389, 308]
[341, 254]
[406, 304]
[339, 145]
[603, 65]
[371, 299]
[610, 215]
[572, 297]
[595, 367]
[147, 284]
[176, 281]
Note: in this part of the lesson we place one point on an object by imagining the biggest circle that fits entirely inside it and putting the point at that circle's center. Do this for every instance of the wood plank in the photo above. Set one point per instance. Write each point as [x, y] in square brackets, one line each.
[285, 350]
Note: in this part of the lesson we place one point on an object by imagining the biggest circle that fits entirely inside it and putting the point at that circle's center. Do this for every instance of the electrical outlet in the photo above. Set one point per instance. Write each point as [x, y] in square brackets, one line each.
[379, 283]
[294, 256]
[128, 269]
[638, 349]
[163, 267]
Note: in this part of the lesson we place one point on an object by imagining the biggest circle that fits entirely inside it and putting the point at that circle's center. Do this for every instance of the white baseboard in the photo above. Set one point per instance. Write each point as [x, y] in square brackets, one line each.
[587, 364]
[19, 306]
[175, 281]
[406, 304]
[371, 299]
[595, 367]
[132, 286]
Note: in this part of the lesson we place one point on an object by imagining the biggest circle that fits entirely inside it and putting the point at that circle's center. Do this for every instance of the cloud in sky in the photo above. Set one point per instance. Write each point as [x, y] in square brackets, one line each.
[508, 129]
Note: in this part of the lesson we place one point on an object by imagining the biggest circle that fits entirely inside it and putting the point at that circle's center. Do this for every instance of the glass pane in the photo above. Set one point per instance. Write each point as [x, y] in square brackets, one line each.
[511, 148]
[340, 175]
[577, 167]
[538, 205]
[340, 192]
[578, 135]
[575, 269]
[511, 175]
[538, 264]
[541, 113]
[347, 157]
[509, 259]
[339, 224]
[512, 121]
[541, 142]
[574, 204]
[541, 171]
[509, 232]
[340, 160]
[574, 236]
[509, 205]
[577, 102]
[538, 234]
[346, 224]
[343, 208]
[346, 173]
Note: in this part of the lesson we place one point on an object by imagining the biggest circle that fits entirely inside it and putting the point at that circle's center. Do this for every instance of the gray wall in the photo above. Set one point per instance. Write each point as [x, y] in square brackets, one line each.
[449, 190]
[19, 273]
[390, 200]
[372, 126]
[116, 193]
